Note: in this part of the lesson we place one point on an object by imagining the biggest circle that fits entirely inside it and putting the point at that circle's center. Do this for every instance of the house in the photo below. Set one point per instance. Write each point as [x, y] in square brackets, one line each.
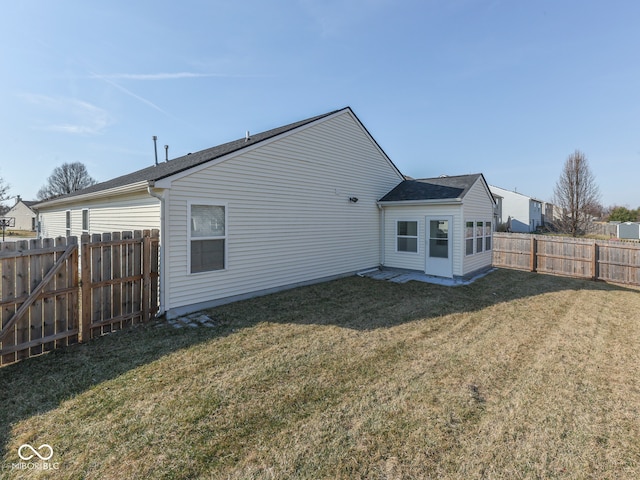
[291, 206]
[519, 212]
[442, 226]
[25, 217]
[552, 215]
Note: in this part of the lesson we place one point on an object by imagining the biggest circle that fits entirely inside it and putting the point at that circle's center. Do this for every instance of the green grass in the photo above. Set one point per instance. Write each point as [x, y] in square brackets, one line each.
[515, 376]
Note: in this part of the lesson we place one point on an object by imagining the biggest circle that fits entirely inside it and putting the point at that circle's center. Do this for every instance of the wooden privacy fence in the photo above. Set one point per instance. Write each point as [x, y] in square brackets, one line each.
[55, 292]
[612, 261]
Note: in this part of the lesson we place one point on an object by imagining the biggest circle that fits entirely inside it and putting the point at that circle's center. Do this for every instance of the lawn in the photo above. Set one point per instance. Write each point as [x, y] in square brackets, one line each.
[515, 376]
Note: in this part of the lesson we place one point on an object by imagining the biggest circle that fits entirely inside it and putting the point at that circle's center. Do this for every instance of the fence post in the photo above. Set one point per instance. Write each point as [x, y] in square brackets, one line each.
[533, 260]
[594, 262]
[146, 275]
[85, 306]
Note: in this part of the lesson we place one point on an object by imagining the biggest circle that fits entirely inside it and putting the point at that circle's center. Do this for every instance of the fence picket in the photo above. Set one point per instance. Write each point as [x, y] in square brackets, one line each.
[49, 308]
[22, 289]
[8, 293]
[35, 276]
[119, 285]
[583, 258]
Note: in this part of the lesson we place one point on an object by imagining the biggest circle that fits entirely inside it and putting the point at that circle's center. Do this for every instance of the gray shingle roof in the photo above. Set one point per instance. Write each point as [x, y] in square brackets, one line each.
[439, 188]
[166, 169]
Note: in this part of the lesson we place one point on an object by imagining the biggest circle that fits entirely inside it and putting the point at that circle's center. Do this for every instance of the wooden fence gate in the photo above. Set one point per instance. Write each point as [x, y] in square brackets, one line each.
[55, 292]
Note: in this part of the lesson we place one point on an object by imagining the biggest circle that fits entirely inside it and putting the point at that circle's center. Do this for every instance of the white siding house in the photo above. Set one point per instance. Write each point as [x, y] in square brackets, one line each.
[99, 213]
[24, 217]
[303, 203]
[442, 226]
[519, 212]
[294, 205]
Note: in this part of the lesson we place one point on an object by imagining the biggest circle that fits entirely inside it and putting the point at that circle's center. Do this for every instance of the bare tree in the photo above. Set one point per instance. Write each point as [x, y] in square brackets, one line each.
[4, 188]
[66, 178]
[577, 194]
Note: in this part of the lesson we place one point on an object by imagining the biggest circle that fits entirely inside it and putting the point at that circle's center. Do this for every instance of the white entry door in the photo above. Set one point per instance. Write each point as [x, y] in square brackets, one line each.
[439, 246]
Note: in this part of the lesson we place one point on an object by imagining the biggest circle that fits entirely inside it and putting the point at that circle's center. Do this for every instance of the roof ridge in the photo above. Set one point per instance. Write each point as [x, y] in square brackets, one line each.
[190, 160]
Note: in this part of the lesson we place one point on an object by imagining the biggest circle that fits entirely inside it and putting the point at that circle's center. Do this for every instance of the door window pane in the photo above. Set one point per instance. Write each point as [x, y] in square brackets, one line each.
[439, 241]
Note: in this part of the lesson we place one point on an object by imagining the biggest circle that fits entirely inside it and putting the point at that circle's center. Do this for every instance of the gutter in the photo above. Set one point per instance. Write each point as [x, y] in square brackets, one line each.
[446, 201]
[161, 268]
[101, 194]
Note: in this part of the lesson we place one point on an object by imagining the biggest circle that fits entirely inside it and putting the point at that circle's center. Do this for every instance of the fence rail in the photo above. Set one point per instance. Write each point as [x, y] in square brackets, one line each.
[55, 292]
[612, 261]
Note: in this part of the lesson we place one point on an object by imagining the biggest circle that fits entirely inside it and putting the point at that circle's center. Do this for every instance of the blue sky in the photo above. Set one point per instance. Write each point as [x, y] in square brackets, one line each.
[506, 88]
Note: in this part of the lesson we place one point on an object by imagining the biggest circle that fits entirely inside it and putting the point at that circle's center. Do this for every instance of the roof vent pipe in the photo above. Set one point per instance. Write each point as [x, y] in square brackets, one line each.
[247, 137]
[155, 147]
[166, 153]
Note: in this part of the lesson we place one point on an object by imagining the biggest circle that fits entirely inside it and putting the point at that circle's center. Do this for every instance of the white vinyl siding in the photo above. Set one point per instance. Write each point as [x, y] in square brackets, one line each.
[116, 214]
[478, 210]
[392, 214]
[523, 214]
[477, 207]
[289, 219]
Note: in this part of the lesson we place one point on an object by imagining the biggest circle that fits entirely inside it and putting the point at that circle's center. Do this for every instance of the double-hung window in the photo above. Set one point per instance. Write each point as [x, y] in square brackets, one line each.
[67, 222]
[207, 237]
[487, 236]
[468, 238]
[477, 237]
[407, 236]
[85, 221]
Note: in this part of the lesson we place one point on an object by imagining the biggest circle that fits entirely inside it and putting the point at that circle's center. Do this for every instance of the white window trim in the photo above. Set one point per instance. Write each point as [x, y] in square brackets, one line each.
[225, 237]
[85, 230]
[479, 237]
[475, 237]
[472, 237]
[490, 222]
[416, 236]
[68, 223]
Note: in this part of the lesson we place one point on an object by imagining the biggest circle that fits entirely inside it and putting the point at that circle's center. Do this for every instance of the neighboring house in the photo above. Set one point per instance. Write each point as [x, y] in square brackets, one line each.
[519, 212]
[497, 211]
[25, 217]
[442, 226]
[291, 206]
[552, 215]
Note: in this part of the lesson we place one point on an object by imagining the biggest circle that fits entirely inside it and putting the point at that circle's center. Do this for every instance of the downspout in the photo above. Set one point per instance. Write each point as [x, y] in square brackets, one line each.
[150, 186]
[382, 245]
